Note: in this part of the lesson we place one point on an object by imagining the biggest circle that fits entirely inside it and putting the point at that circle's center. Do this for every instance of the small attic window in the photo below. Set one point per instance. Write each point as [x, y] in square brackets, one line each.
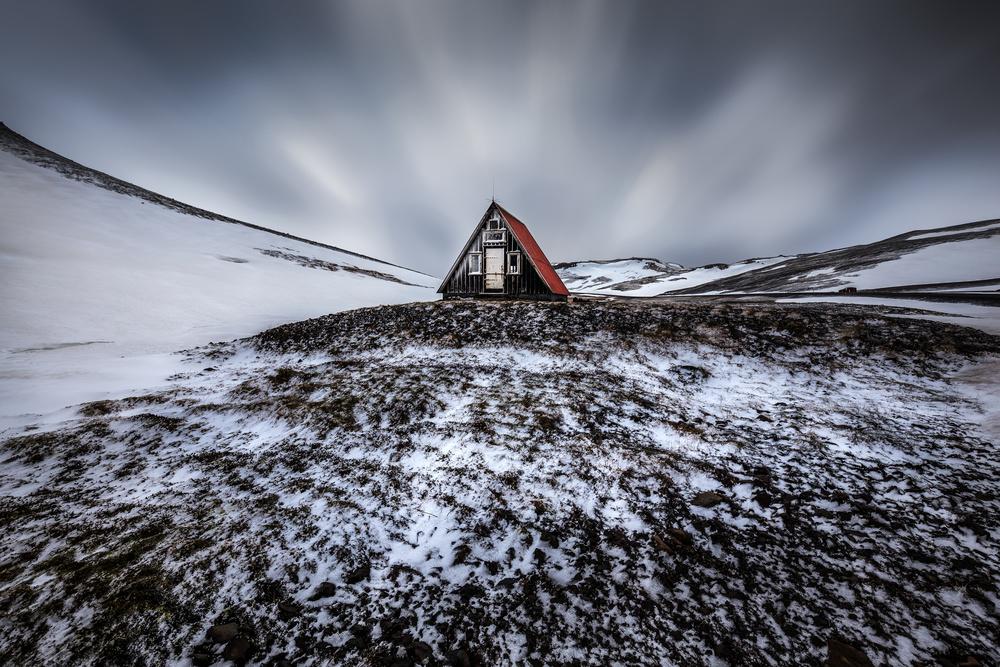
[494, 222]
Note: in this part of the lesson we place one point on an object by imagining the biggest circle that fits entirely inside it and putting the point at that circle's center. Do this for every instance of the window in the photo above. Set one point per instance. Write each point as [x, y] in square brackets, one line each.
[494, 221]
[494, 238]
[513, 262]
[475, 263]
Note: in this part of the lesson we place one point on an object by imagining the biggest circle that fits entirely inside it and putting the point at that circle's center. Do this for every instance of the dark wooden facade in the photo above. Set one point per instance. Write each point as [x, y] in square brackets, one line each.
[522, 280]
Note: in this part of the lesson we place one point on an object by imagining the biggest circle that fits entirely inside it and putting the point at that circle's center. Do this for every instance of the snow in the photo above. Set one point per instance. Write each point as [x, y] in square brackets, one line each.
[99, 285]
[984, 318]
[608, 277]
[951, 232]
[976, 259]
[548, 444]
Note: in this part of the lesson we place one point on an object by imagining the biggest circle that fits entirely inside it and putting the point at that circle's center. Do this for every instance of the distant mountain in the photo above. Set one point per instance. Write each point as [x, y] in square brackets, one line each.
[960, 257]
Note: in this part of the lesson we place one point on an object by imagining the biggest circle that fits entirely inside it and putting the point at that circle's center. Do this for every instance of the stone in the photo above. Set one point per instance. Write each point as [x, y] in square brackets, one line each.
[839, 654]
[287, 610]
[969, 662]
[420, 650]
[360, 643]
[707, 499]
[461, 553]
[471, 591]
[202, 659]
[722, 651]
[360, 630]
[220, 634]
[680, 536]
[326, 589]
[363, 573]
[459, 658]
[660, 545]
[238, 650]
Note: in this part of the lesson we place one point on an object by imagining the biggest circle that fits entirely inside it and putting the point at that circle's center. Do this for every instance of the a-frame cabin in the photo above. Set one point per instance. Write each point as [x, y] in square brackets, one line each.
[502, 260]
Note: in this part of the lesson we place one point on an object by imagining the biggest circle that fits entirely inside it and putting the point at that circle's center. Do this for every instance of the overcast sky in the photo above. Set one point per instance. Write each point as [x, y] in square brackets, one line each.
[694, 132]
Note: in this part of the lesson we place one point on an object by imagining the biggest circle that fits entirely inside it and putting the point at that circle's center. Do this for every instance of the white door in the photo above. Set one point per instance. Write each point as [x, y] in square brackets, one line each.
[494, 268]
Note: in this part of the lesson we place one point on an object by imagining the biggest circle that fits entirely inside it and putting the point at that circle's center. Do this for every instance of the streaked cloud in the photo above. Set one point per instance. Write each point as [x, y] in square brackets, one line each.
[695, 132]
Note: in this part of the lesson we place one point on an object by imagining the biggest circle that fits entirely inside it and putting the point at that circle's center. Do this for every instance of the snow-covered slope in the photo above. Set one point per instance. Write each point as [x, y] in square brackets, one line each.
[530, 484]
[623, 275]
[92, 262]
[962, 257]
[648, 277]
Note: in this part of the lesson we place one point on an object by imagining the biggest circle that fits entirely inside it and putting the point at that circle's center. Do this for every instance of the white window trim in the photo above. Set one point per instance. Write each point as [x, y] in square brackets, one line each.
[502, 232]
[494, 218]
[509, 271]
[480, 256]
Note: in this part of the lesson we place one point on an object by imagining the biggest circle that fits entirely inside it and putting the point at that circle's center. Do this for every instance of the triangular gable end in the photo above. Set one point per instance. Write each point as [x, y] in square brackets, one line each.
[532, 279]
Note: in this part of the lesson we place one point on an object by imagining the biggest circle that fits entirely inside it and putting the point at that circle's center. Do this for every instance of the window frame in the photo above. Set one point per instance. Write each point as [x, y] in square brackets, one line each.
[501, 241]
[510, 255]
[479, 258]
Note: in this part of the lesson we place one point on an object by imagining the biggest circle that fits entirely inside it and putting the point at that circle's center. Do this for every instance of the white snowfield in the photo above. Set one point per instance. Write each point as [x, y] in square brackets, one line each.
[957, 261]
[597, 277]
[98, 287]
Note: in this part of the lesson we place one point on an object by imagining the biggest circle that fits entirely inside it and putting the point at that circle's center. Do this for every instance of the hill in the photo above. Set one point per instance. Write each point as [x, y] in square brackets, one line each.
[96, 269]
[959, 257]
[508, 484]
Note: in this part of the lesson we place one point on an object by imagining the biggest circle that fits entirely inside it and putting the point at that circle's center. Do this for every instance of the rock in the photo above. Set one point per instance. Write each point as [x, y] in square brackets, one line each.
[287, 610]
[202, 659]
[471, 591]
[220, 634]
[539, 556]
[238, 650]
[324, 649]
[507, 582]
[459, 658]
[969, 662]
[461, 553]
[680, 536]
[660, 545]
[420, 650]
[551, 539]
[363, 573]
[842, 655]
[359, 643]
[326, 589]
[707, 499]
[360, 630]
[722, 651]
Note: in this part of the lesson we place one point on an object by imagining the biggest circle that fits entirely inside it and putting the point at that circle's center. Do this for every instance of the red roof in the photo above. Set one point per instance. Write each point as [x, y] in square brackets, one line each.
[538, 258]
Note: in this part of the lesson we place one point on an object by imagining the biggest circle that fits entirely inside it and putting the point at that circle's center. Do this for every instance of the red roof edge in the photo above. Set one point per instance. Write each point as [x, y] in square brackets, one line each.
[538, 258]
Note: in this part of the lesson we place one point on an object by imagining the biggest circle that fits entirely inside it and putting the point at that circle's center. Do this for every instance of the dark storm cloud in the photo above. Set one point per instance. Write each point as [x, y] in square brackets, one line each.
[696, 132]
